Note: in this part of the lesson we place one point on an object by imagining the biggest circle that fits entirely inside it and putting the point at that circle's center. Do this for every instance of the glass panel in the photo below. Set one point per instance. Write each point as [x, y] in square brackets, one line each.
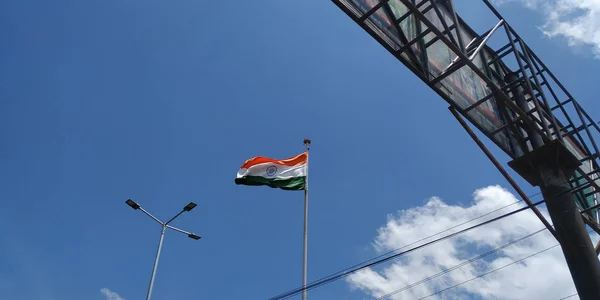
[584, 202]
[364, 5]
[407, 25]
[385, 19]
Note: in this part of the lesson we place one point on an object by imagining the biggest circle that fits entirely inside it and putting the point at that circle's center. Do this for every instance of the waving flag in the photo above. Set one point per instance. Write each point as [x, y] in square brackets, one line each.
[286, 174]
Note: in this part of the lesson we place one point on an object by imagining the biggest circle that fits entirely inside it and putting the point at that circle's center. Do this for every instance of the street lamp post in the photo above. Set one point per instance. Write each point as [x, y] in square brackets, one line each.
[164, 226]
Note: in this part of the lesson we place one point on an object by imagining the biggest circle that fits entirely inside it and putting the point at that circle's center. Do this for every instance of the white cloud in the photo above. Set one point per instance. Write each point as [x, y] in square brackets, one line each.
[110, 295]
[575, 20]
[544, 276]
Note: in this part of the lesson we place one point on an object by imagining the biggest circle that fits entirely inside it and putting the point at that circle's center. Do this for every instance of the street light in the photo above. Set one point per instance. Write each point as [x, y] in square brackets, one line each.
[164, 226]
[132, 204]
[190, 206]
[193, 236]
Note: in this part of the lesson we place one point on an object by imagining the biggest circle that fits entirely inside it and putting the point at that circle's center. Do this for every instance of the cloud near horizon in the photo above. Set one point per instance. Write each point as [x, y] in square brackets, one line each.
[541, 277]
[575, 20]
[110, 295]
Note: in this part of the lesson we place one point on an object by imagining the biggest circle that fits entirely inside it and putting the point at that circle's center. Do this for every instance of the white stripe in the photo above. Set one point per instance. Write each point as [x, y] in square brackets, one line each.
[282, 172]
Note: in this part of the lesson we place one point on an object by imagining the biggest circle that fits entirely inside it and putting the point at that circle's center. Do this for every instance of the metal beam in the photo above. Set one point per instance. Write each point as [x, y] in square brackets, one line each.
[507, 176]
[487, 37]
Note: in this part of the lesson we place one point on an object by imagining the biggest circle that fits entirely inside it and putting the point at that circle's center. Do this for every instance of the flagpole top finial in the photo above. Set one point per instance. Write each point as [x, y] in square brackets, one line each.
[307, 141]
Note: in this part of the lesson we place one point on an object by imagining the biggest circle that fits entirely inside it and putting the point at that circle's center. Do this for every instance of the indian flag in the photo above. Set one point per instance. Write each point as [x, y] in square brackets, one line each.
[286, 174]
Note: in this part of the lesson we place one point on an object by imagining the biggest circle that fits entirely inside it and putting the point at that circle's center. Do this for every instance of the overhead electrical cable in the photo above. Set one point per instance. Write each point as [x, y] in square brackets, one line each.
[430, 236]
[570, 296]
[489, 272]
[429, 278]
[427, 237]
[359, 267]
[481, 275]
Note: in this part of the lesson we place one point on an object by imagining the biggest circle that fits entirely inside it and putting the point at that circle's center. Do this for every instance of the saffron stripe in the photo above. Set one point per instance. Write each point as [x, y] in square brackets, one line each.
[293, 161]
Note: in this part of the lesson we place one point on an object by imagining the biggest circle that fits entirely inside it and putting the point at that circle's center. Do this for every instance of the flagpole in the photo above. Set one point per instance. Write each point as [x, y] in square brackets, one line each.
[304, 260]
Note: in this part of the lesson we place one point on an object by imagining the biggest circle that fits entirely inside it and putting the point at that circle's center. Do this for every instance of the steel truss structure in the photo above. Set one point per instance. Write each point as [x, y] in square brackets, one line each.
[430, 39]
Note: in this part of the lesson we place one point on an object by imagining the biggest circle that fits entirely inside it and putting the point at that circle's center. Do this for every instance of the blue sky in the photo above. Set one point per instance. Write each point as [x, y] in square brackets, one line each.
[162, 102]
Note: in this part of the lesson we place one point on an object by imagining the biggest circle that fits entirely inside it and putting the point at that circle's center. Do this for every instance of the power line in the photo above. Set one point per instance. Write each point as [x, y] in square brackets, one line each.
[492, 271]
[360, 266]
[349, 271]
[460, 265]
[445, 230]
[427, 237]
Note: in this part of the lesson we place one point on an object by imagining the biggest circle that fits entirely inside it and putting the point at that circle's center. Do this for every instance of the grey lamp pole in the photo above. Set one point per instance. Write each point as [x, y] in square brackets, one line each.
[164, 226]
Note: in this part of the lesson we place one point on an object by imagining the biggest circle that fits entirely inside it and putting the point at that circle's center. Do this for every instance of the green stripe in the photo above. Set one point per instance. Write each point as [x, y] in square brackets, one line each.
[296, 183]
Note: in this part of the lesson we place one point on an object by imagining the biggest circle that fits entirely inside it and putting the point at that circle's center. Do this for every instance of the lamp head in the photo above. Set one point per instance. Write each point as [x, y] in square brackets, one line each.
[190, 206]
[132, 204]
[193, 236]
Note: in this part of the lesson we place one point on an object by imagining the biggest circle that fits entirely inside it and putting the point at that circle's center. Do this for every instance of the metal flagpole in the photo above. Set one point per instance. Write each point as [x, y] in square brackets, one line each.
[304, 260]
